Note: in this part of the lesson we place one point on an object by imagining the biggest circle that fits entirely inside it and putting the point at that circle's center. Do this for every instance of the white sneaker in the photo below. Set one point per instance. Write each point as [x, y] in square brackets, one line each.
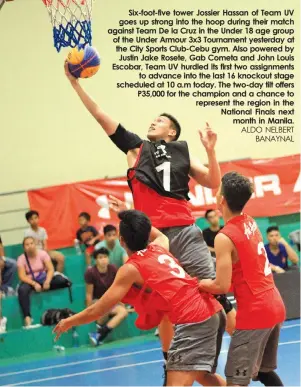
[32, 326]
[11, 291]
[3, 322]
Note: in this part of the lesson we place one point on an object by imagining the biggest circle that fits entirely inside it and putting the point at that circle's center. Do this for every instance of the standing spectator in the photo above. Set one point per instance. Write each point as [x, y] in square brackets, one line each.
[118, 255]
[8, 269]
[87, 234]
[40, 236]
[98, 280]
[279, 251]
[37, 275]
[210, 233]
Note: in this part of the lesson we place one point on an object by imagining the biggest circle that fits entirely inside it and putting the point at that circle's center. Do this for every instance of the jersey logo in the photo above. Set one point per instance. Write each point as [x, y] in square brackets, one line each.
[161, 152]
[141, 252]
[176, 358]
[250, 229]
[241, 373]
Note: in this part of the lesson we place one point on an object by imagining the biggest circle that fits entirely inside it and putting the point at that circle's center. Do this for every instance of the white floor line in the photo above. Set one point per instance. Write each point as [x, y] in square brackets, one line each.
[227, 337]
[110, 369]
[290, 326]
[87, 372]
[80, 362]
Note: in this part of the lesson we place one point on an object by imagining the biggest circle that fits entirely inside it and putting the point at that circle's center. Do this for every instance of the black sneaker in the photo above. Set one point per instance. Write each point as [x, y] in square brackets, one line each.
[164, 375]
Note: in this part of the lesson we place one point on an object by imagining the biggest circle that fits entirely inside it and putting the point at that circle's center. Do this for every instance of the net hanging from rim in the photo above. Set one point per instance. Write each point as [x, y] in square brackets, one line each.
[71, 21]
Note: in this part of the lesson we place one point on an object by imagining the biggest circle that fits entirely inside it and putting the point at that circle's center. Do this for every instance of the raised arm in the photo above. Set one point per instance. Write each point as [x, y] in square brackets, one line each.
[107, 123]
[157, 238]
[208, 177]
[124, 140]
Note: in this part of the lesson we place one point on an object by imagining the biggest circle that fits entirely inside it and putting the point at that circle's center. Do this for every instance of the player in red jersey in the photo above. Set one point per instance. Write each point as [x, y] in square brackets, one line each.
[241, 258]
[156, 285]
[159, 172]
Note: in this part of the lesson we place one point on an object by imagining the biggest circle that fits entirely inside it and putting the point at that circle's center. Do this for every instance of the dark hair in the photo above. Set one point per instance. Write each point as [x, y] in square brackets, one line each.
[174, 123]
[237, 190]
[85, 215]
[272, 228]
[102, 251]
[208, 212]
[30, 214]
[108, 228]
[135, 228]
[25, 239]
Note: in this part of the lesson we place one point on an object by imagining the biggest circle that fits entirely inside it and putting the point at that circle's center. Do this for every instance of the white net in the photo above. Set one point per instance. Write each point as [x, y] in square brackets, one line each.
[71, 21]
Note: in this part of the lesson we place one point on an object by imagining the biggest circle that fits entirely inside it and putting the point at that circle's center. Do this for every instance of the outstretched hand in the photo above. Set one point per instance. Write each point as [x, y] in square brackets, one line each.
[68, 74]
[63, 326]
[208, 138]
[117, 205]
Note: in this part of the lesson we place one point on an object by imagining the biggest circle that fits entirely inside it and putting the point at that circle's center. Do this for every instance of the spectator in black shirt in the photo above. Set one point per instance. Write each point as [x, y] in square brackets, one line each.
[87, 234]
[210, 233]
[98, 280]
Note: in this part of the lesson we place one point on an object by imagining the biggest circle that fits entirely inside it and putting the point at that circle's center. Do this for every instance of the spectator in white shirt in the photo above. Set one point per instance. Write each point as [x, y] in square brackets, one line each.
[40, 236]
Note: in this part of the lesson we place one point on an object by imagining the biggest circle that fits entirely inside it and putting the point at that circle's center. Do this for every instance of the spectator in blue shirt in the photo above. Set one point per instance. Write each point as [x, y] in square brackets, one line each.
[279, 251]
[118, 255]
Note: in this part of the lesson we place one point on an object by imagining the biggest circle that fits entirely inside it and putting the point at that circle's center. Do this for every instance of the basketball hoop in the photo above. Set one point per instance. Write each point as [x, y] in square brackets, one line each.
[71, 21]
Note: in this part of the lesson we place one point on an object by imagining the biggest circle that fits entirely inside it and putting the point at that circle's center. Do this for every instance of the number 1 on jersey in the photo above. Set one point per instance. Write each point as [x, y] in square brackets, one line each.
[165, 167]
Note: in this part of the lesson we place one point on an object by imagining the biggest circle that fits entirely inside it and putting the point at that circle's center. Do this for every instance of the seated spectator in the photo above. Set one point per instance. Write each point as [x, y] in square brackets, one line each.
[35, 271]
[98, 280]
[279, 251]
[214, 227]
[8, 268]
[40, 236]
[87, 234]
[118, 255]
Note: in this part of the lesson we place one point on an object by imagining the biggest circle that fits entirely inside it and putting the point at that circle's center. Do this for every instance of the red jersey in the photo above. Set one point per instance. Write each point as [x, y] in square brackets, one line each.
[167, 289]
[163, 211]
[259, 304]
[159, 183]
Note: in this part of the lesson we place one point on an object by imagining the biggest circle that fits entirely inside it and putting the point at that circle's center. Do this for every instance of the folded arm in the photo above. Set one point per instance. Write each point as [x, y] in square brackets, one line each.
[291, 253]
